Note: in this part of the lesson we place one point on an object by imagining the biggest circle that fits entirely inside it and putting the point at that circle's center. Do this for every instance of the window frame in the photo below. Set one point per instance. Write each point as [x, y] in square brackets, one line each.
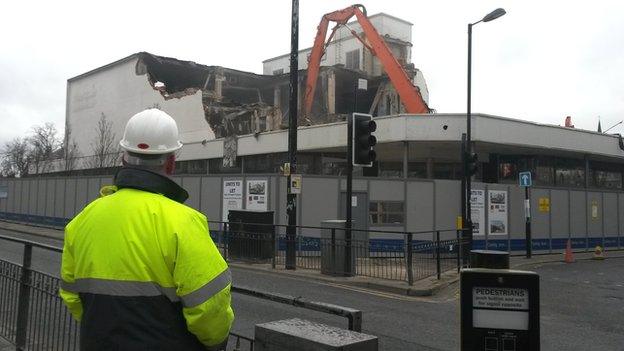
[380, 214]
[356, 60]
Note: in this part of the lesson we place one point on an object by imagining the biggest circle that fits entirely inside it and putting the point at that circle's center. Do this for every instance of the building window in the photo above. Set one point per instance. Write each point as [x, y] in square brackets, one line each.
[181, 167]
[386, 212]
[333, 165]
[390, 169]
[511, 165]
[197, 167]
[266, 163]
[308, 164]
[606, 179]
[447, 171]
[605, 175]
[353, 59]
[544, 171]
[417, 170]
[570, 173]
[278, 71]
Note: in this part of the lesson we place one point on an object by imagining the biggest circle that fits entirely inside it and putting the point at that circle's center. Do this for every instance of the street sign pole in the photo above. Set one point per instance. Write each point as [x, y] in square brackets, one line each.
[526, 182]
[527, 229]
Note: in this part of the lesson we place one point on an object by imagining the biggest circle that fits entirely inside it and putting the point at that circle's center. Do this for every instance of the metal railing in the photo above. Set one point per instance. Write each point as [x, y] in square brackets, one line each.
[393, 255]
[353, 316]
[33, 316]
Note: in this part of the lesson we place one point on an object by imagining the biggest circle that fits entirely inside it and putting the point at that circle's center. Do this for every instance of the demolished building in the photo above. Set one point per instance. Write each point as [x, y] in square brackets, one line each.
[238, 103]
[213, 102]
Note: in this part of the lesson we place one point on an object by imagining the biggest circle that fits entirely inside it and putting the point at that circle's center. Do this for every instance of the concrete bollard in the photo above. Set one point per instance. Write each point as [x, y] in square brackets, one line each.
[301, 334]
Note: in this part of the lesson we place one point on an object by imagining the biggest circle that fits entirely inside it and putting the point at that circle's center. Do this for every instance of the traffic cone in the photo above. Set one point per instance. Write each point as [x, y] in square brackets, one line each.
[598, 253]
[568, 257]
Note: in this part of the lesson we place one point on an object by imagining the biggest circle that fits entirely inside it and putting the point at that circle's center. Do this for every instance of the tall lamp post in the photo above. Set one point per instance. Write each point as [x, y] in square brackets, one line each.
[291, 198]
[468, 147]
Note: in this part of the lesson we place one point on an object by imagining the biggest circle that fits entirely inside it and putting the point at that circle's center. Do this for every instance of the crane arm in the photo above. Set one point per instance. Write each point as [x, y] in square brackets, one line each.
[409, 94]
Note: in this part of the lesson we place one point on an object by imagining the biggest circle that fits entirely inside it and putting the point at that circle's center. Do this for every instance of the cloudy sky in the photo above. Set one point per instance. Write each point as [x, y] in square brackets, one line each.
[542, 61]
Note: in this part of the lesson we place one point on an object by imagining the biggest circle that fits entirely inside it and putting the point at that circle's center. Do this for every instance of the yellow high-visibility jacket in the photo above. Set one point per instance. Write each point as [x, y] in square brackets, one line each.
[140, 271]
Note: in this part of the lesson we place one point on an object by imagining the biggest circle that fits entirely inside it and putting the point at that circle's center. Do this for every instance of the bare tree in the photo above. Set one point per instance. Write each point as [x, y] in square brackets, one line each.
[70, 150]
[43, 142]
[15, 158]
[103, 147]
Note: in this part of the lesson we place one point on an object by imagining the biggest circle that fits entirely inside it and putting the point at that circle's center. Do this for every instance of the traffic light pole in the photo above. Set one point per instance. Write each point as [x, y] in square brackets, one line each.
[291, 199]
[349, 204]
[360, 143]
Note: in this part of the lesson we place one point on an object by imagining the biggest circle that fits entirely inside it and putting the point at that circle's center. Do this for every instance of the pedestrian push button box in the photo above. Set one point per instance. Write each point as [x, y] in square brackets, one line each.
[499, 310]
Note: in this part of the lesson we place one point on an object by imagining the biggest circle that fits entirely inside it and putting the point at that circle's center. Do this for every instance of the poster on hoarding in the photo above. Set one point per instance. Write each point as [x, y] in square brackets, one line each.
[232, 196]
[497, 216]
[257, 195]
[477, 211]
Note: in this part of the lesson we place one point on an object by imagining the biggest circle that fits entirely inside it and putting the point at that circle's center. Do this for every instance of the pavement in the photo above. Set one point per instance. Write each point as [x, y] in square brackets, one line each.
[424, 287]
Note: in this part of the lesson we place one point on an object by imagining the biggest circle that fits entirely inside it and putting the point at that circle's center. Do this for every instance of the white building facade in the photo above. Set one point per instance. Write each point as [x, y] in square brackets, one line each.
[118, 91]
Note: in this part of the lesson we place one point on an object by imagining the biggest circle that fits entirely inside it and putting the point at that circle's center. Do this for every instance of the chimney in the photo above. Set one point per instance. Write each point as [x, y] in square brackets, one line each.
[568, 122]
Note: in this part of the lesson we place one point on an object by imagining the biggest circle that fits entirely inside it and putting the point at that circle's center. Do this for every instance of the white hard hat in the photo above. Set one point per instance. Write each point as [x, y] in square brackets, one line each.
[151, 132]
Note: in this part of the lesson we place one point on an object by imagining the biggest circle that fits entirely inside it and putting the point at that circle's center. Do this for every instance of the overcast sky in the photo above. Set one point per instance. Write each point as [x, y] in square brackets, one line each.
[542, 61]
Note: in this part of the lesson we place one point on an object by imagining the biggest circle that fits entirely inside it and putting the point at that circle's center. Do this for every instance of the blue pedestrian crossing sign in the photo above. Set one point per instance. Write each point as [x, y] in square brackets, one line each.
[525, 179]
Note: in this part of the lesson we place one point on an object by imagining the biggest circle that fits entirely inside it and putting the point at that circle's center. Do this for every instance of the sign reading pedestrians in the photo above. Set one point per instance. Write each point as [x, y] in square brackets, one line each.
[525, 179]
[499, 310]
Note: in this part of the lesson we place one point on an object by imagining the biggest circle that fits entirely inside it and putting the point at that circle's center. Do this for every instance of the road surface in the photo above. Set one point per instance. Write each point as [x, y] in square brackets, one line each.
[582, 305]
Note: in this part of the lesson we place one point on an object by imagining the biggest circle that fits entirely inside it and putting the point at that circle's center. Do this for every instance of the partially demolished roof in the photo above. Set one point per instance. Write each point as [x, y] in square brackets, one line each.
[237, 102]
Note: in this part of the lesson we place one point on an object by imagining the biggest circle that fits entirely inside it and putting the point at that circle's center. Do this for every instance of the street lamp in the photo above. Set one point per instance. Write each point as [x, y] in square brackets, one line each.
[467, 155]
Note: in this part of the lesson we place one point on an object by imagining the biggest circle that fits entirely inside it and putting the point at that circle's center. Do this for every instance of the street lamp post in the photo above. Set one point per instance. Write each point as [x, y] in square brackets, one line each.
[468, 147]
[291, 198]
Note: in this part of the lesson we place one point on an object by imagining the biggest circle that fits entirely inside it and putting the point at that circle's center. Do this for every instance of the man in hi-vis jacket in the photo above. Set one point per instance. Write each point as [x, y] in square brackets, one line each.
[139, 270]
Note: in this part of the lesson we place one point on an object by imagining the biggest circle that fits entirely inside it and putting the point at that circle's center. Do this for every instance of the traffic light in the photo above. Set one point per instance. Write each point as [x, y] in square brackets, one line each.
[363, 140]
[472, 164]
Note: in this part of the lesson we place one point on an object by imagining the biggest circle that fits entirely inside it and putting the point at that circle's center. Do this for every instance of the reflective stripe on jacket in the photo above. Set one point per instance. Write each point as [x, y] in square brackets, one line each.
[140, 271]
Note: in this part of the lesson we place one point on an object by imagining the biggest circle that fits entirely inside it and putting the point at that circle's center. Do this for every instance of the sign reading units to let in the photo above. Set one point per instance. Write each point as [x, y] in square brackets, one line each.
[232, 196]
[477, 211]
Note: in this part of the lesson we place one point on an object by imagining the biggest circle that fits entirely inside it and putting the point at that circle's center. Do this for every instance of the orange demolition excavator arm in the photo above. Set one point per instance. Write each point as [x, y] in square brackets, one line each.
[409, 94]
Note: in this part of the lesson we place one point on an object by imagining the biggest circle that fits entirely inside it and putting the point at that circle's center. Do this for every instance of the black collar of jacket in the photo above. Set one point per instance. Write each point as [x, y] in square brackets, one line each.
[142, 179]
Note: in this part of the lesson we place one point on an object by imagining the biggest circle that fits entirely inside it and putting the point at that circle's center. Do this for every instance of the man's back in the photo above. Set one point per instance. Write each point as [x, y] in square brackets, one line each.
[145, 272]
[118, 233]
